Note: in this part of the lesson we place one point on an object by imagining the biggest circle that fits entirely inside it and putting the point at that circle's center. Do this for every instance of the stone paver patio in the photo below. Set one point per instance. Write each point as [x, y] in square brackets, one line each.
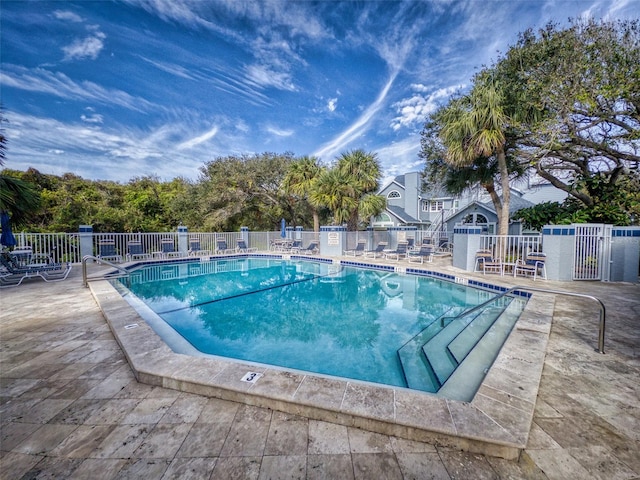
[71, 407]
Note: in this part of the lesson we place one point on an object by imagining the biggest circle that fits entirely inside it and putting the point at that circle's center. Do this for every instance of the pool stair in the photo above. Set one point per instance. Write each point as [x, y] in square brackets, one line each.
[438, 349]
[430, 357]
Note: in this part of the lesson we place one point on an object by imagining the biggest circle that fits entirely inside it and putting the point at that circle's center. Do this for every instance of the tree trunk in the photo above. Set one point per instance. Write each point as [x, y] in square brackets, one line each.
[503, 211]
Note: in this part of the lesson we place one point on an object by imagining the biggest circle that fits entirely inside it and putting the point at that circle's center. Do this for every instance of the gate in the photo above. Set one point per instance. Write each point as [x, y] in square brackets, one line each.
[592, 252]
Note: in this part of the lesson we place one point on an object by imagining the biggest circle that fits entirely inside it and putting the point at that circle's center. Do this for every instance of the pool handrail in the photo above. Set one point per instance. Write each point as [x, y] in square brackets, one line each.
[85, 280]
[601, 328]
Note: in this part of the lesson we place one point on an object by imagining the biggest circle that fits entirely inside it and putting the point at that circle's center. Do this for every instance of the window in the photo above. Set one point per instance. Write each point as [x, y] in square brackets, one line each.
[393, 194]
[436, 205]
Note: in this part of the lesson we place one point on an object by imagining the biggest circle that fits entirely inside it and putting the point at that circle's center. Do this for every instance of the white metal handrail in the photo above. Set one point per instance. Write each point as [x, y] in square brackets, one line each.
[85, 279]
[601, 328]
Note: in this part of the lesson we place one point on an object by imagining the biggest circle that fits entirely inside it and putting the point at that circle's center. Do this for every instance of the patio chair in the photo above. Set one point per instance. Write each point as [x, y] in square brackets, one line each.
[195, 250]
[12, 273]
[486, 263]
[221, 246]
[241, 246]
[359, 250]
[424, 253]
[411, 243]
[107, 251]
[168, 248]
[135, 251]
[311, 249]
[376, 252]
[399, 252]
[533, 264]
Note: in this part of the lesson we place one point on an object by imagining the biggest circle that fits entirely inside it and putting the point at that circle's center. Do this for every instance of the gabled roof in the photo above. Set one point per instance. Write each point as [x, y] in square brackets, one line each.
[515, 204]
[432, 191]
[399, 213]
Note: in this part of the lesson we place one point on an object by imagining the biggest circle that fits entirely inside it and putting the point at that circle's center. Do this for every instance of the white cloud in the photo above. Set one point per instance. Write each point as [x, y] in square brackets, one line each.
[414, 111]
[400, 157]
[95, 118]
[68, 16]
[265, 76]
[280, 132]
[199, 139]
[86, 48]
[332, 104]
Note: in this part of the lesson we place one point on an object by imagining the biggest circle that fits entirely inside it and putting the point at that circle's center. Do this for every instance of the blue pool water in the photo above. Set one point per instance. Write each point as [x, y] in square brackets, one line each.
[317, 317]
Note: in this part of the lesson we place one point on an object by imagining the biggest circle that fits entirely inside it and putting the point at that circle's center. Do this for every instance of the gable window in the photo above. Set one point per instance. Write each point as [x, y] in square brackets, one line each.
[393, 194]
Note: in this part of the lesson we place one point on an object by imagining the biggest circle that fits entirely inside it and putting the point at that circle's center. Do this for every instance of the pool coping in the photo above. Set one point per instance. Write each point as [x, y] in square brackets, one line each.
[496, 422]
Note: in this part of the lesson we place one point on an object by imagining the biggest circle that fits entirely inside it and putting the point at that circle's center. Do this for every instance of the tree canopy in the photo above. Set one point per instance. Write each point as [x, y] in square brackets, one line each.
[568, 103]
[239, 190]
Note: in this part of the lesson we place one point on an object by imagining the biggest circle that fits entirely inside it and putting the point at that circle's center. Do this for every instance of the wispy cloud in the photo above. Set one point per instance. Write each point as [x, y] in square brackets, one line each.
[279, 132]
[59, 85]
[332, 104]
[199, 139]
[68, 16]
[356, 129]
[94, 118]
[171, 68]
[95, 152]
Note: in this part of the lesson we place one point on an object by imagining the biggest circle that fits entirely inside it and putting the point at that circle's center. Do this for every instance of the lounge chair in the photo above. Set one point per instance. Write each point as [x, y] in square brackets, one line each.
[221, 246]
[310, 250]
[241, 247]
[195, 250]
[411, 243]
[135, 251]
[359, 250]
[107, 251]
[168, 248]
[376, 252]
[399, 252]
[534, 265]
[486, 263]
[12, 273]
[424, 253]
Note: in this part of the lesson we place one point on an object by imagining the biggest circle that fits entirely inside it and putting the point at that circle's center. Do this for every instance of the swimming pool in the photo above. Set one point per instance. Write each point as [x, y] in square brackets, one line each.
[368, 325]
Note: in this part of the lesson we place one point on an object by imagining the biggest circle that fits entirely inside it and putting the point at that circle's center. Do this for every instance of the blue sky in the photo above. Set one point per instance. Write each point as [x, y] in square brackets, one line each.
[116, 90]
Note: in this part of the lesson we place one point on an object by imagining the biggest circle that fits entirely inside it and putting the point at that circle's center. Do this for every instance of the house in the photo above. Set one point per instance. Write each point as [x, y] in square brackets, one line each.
[408, 203]
[433, 209]
[484, 214]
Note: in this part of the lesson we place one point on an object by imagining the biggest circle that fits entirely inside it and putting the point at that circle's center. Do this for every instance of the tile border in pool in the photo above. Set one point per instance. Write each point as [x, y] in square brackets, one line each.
[496, 422]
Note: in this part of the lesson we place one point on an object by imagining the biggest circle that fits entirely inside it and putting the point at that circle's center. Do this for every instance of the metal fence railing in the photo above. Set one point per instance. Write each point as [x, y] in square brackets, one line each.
[511, 248]
[61, 247]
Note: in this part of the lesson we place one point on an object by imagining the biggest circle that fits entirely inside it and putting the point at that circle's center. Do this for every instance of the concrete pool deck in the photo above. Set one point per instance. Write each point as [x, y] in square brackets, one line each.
[71, 405]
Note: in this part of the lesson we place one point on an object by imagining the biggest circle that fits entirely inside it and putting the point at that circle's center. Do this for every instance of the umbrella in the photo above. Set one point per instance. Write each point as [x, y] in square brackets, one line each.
[7, 239]
[283, 228]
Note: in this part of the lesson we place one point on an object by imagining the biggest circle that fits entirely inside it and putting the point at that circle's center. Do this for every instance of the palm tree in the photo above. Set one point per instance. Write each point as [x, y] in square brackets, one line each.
[301, 179]
[348, 189]
[17, 197]
[474, 126]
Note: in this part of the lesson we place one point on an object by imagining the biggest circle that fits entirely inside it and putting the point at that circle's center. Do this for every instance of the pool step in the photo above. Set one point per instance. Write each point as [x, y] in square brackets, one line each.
[417, 372]
[468, 338]
[436, 350]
